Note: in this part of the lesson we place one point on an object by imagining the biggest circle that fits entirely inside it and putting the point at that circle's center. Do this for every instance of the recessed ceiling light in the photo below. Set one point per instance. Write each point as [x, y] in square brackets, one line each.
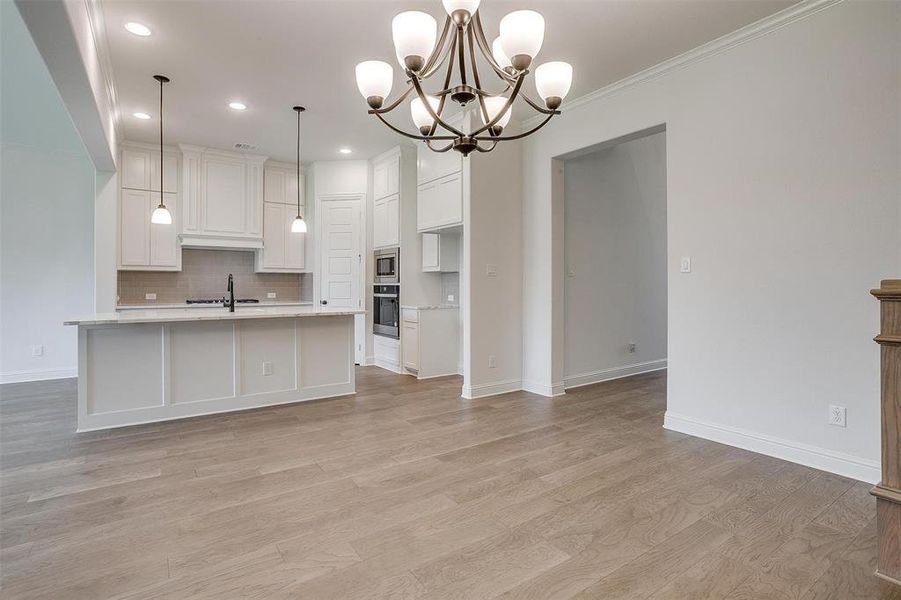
[137, 29]
[141, 115]
[237, 105]
[345, 150]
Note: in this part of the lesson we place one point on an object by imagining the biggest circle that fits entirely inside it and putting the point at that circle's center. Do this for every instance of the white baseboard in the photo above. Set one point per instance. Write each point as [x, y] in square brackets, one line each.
[555, 389]
[796, 452]
[574, 381]
[390, 365]
[483, 390]
[368, 361]
[37, 375]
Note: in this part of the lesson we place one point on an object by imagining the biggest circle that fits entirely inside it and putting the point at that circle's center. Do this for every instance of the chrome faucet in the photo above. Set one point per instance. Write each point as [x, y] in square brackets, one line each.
[230, 302]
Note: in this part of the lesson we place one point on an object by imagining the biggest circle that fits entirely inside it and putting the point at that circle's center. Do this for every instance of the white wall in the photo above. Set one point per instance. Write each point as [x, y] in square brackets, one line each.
[783, 188]
[492, 305]
[46, 215]
[615, 260]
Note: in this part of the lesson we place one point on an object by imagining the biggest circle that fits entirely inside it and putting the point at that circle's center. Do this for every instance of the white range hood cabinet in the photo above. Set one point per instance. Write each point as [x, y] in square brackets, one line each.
[223, 199]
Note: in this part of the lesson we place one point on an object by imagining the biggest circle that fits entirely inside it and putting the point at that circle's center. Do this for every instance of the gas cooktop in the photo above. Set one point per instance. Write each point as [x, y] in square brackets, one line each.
[221, 301]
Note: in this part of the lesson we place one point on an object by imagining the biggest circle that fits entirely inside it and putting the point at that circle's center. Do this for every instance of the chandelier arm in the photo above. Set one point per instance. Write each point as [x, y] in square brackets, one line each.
[446, 51]
[393, 105]
[520, 79]
[533, 104]
[487, 149]
[410, 135]
[486, 49]
[460, 56]
[431, 111]
[445, 149]
[475, 75]
[510, 138]
[442, 97]
[436, 51]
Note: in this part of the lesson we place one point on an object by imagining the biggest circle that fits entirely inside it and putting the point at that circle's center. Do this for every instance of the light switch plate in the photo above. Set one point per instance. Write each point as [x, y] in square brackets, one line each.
[149, 296]
[491, 270]
[450, 297]
[37, 350]
[267, 368]
[685, 264]
[270, 294]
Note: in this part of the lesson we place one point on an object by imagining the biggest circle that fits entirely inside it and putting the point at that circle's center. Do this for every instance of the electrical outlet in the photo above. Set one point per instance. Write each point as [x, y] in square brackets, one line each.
[838, 415]
[491, 270]
[37, 350]
[267, 367]
[632, 348]
[492, 362]
[270, 295]
[150, 296]
[450, 297]
[685, 264]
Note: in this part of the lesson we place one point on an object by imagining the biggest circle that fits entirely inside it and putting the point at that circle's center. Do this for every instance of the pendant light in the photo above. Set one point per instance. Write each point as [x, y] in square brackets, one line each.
[298, 225]
[161, 216]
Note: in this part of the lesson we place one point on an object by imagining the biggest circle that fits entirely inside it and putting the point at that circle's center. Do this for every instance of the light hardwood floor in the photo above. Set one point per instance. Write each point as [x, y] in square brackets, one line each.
[407, 491]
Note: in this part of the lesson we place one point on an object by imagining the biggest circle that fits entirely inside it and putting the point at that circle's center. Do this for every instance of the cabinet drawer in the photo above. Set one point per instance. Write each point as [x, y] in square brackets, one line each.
[410, 315]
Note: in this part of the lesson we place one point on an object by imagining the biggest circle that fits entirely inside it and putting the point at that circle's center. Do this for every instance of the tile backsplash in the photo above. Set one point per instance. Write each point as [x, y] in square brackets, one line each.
[204, 275]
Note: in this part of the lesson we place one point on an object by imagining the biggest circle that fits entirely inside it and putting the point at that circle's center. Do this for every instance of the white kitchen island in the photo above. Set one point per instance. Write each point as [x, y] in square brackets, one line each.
[143, 366]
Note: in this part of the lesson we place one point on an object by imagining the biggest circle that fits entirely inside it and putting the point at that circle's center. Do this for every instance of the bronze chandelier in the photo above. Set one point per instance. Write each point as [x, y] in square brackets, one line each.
[422, 53]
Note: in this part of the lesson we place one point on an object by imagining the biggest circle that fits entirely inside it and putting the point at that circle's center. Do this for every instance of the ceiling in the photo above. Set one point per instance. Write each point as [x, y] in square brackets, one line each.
[273, 54]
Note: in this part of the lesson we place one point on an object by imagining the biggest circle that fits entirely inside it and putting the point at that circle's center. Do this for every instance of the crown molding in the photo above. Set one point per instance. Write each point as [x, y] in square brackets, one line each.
[720, 45]
[94, 10]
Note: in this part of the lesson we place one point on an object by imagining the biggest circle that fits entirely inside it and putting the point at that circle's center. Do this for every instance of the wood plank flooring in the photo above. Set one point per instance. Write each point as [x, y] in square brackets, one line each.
[407, 491]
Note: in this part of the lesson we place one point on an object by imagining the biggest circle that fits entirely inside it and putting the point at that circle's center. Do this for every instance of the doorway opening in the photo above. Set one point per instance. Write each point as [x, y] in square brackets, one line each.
[615, 255]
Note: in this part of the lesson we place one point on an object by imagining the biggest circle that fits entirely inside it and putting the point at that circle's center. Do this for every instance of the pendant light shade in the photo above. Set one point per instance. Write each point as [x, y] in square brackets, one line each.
[374, 79]
[298, 225]
[553, 80]
[161, 214]
[494, 105]
[522, 33]
[470, 6]
[414, 35]
[421, 117]
[497, 51]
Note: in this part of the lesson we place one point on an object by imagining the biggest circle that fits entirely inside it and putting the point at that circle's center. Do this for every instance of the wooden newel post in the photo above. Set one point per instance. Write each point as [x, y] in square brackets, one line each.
[888, 491]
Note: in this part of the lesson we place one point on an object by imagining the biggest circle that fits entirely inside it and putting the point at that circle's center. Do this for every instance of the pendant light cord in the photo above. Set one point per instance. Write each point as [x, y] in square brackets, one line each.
[298, 164]
[161, 144]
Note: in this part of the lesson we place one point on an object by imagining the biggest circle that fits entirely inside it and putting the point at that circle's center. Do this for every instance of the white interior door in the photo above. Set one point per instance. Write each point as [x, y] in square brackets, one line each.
[340, 284]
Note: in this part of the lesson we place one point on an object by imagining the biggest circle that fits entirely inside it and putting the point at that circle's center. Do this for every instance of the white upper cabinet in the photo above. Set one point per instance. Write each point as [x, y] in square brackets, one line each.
[434, 165]
[440, 252]
[222, 198]
[386, 200]
[283, 250]
[140, 170]
[440, 203]
[144, 246]
[386, 177]
[280, 184]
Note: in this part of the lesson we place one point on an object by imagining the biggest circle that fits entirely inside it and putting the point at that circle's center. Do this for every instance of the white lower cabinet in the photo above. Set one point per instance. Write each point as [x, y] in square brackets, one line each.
[431, 341]
[387, 353]
[440, 203]
[145, 246]
[283, 251]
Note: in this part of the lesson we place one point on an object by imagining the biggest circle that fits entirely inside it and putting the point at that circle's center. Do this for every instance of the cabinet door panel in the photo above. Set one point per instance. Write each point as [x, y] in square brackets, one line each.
[392, 220]
[410, 340]
[274, 232]
[380, 180]
[450, 200]
[426, 216]
[380, 224]
[135, 170]
[170, 172]
[274, 182]
[393, 176]
[434, 165]
[164, 238]
[134, 228]
[291, 190]
[224, 203]
[430, 258]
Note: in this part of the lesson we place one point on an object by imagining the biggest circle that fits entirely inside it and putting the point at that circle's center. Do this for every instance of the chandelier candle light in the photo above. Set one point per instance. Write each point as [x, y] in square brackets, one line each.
[161, 215]
[421, 53]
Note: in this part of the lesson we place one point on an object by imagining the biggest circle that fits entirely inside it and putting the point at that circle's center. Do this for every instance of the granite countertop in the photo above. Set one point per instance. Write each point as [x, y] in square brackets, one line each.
[195, 306]
[164, 315]
[430, 306]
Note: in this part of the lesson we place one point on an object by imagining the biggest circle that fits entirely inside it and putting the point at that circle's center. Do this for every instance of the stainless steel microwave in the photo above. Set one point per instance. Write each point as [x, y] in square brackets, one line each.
[387, 266]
